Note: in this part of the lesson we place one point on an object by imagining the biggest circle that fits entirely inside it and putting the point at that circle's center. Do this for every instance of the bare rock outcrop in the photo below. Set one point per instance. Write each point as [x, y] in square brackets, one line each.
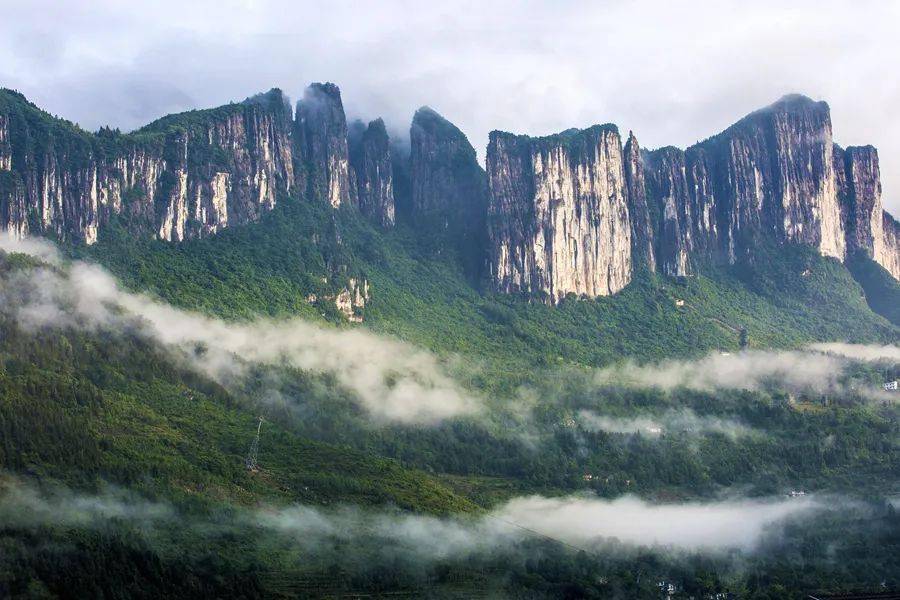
[370, 157]
[320, 137]
[558, 220]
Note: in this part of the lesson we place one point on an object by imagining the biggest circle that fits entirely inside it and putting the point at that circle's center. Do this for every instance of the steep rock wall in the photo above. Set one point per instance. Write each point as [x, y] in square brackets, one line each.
[642, 238]
[774, 178]
[667, 187]
[558, 219]
[448, 189]
[370, 157]
[321, 140]
[890, 254]
[183, 176]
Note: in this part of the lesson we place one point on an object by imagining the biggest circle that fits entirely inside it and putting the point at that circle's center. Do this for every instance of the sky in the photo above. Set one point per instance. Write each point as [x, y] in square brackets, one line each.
[674, 72]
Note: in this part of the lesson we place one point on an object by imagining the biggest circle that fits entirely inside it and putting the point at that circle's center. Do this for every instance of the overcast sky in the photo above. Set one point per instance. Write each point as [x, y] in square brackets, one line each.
[674, 72]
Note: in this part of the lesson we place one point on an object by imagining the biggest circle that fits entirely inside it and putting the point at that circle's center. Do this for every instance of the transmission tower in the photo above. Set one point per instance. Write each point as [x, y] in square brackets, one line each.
[251, 461]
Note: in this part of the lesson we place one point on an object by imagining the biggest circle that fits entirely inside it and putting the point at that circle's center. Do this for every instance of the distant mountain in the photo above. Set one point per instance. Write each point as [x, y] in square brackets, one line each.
[573, 213]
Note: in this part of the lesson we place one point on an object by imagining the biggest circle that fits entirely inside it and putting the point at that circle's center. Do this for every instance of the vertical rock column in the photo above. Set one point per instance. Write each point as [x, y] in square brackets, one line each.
[370, 156]
[320, 136]
[641, 224]
[448, 187]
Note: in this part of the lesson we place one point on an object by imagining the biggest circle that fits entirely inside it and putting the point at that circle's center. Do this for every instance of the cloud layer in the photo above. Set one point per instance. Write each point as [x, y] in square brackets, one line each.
[394, 381]
[820, 369]
[585, 522]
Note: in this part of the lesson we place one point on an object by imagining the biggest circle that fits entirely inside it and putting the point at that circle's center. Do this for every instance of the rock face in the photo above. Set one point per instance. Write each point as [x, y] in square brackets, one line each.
[558, 219]
[321, 136]
[571, 213]
[666, 185]
[642, 251]
[187, 175]
[370, 157]
[446, 178]
[448, 186]
[774, 176]
[182, 176]
[890, 254]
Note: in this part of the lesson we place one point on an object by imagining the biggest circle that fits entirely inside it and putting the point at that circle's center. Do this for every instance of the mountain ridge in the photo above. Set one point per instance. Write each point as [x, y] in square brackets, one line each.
[775, 175]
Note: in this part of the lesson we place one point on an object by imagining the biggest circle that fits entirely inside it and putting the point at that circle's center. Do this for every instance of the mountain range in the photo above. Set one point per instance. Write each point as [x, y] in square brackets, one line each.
[270, 353]
[578, 212]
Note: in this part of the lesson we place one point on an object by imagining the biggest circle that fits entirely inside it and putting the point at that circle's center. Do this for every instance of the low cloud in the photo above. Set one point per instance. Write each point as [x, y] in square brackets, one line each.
[681, 421]
[584, 522]
[688, 526]
[795, 371]
[869, 353]
[392, 380]
[25, 505]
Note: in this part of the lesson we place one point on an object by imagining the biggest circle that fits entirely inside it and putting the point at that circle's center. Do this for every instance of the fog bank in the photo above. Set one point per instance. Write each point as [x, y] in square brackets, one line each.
[392, 380]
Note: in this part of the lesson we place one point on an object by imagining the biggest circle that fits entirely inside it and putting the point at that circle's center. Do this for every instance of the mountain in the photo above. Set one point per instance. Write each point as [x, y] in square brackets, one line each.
[591, 325]
[573, 213]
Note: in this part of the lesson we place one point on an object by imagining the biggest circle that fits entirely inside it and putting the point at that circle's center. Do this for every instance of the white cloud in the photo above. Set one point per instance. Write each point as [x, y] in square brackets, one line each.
[673, 73]
[691, 526]
[586, 522]
[790, 370]
[393, 380]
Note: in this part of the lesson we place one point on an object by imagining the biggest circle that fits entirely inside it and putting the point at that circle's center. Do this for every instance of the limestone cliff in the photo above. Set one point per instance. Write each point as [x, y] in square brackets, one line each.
[370, 157]
[667, 187]
[183, 176]
[320, 136]
[558, 220]
[889, 258]
[773, 176]
[448, 187]
[641, 225]
[571, 213]
[445, 176]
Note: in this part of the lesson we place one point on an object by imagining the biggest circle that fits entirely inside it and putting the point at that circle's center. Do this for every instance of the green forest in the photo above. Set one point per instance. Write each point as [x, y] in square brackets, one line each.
[108, 416]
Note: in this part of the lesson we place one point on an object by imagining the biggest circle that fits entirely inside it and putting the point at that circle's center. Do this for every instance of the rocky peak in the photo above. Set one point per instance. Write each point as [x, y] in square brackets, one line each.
[869, 229]
[558, 219]
[445, 173]
[777, 176]
[448, 186]
[370, 157]
[860, 186]
[667, 189]
[641, 224]
[320, 139]
[185, 175]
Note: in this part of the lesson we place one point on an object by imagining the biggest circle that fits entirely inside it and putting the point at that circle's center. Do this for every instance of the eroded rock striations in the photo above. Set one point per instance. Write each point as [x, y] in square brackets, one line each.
[187, 175]
[558, 219]
[666, 184]
[446, 180]
[370, 157]
[774, 177]
[641, 223]
[321, 140]
[572, 213]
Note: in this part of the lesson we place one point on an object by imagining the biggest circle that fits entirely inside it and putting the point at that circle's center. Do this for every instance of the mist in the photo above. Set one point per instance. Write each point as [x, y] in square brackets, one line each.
[868, 353]
[392, 380]
[672, 421]
[24, 505]
[584, 522]
[799, 371]
[693, 526]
